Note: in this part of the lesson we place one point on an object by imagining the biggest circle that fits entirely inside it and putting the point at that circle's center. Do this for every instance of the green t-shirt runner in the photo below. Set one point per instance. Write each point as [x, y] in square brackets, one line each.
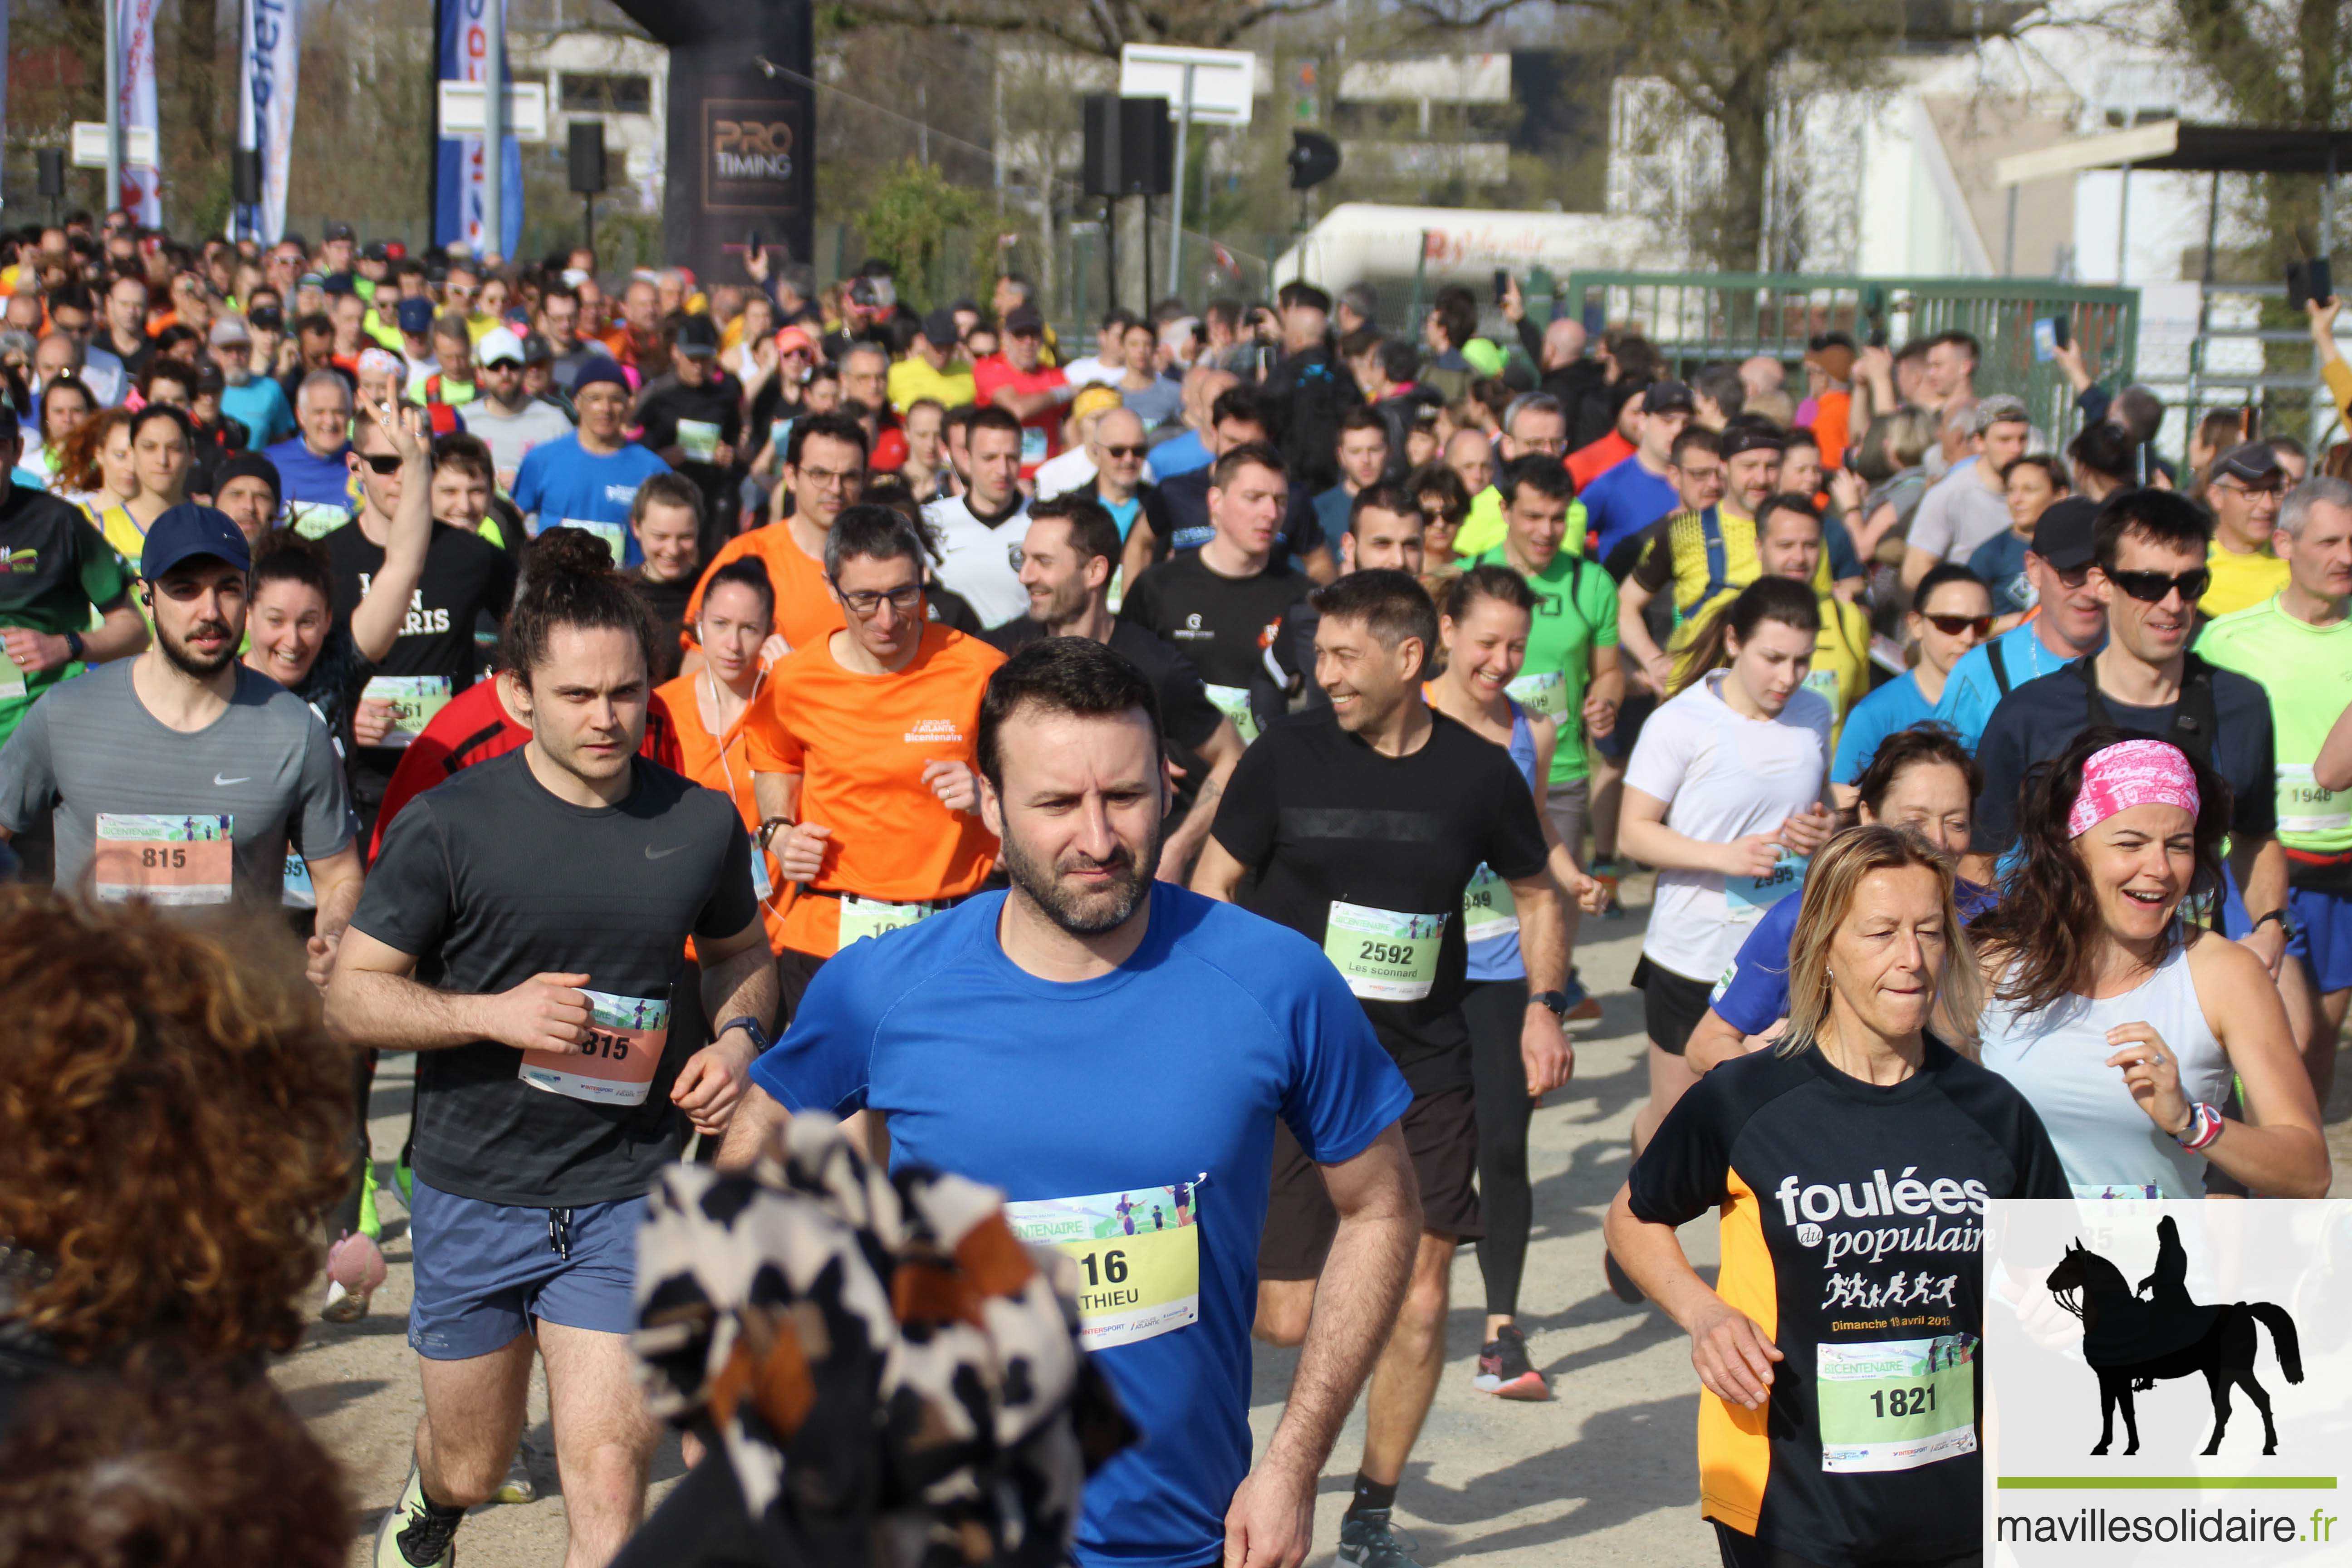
[2308, 671]
[55, 568]
[1576, 612]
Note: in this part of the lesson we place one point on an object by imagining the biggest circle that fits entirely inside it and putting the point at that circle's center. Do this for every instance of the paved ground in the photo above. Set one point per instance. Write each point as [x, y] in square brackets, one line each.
[1607, 1468]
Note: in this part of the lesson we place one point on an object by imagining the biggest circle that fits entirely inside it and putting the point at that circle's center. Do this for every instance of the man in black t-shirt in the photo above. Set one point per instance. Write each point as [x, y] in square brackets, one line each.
[433, 659]
[1237, 419]
[666, 520]
[549, 895]
[2152, 542]
[1066, 561]
[695, 423]
[1384, 533]
[1219, 605]
[1362, 827]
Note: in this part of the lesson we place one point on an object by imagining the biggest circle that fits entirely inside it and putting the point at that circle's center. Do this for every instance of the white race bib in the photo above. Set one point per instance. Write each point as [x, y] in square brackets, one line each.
[1544, 694]
[415, 700]
[1233, 702]
[613, 534]
[871, 917]
[2302, 806]
[1488, 910]
[1384, 956]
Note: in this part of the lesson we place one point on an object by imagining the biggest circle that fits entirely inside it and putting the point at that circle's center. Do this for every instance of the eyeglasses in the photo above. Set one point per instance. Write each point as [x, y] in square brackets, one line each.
[1953, 625]
[2150, 587]
[1124, 451]
[385, 464]
[863, 604]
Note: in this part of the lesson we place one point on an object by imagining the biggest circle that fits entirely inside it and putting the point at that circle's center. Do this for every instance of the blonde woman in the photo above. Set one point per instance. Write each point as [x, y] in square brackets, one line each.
[1851, 1167]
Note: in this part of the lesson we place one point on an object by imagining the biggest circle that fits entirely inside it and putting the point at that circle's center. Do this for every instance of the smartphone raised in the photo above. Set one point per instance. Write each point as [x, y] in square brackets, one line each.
[2045, 339]
[1502, 283]
[2307, 281]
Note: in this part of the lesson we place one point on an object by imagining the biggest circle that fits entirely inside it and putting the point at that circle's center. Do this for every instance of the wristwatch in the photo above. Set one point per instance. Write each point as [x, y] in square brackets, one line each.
[2263, 920]
[1557, 1000]
[73, 646]
[750, 1026]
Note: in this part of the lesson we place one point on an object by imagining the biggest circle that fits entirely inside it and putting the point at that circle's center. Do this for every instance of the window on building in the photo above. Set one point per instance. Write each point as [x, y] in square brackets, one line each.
[597, 92]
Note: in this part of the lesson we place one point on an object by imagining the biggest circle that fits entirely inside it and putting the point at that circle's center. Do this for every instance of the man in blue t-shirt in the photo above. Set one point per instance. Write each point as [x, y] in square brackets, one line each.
[1636, 492]
[314, 469]
[1095, 1042]
[2072, 622]
[589, 479]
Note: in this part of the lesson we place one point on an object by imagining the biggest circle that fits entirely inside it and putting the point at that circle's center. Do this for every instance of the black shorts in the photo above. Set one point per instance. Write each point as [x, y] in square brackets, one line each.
[1631, 714]
[1746, 1552]
[1441, 1129]
[1671, 1005]
[794, 971]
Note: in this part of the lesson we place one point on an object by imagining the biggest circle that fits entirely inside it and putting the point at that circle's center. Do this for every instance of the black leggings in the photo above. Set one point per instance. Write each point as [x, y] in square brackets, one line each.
[1494, 1010]
[347, 1213]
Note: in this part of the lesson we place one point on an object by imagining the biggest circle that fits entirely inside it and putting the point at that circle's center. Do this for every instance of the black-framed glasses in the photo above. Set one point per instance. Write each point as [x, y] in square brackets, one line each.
[866, 602]
[2150, 587]
[385, 464]
[1137, 452]
[1953, 625]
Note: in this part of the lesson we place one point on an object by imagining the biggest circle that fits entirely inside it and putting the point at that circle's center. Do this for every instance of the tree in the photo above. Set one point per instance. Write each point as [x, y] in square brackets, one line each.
[1090, 26]
[2272, 62]
[909, 222]
[1726, 63]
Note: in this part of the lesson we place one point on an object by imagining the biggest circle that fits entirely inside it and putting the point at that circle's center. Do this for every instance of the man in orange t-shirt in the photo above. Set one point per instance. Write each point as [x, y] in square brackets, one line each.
[824, 466]
[862, 754]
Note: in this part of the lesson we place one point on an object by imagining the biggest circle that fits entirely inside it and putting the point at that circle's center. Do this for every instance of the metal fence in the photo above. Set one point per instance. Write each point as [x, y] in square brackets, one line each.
[1708, 318]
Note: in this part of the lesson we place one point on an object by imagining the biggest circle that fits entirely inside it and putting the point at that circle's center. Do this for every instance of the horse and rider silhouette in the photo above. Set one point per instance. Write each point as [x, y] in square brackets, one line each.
[2131, 1342]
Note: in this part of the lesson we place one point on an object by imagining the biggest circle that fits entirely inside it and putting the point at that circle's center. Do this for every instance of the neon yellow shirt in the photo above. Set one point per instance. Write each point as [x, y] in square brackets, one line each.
[2307, 672]
[2240, 581]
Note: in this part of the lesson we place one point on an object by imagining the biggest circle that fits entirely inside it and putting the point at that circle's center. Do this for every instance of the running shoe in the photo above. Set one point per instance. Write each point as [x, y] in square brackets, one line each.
[371, 1222]
[411, 1537]
[355, 1269]
[517, 1487]
[1583, 1007]
[1605, 872]
[405, 1180]
[1369, 1540]
[1621, 1284]
[1505, 1371]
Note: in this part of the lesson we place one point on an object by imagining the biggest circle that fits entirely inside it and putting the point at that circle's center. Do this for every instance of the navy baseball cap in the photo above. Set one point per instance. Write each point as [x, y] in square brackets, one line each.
[415, 316]
[187, 532]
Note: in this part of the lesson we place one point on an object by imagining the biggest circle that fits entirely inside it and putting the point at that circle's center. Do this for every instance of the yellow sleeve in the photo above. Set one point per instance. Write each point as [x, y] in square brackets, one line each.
[2338, 375]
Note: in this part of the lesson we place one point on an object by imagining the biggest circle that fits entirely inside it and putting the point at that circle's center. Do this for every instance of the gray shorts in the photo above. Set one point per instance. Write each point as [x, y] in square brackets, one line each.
[1569, 807]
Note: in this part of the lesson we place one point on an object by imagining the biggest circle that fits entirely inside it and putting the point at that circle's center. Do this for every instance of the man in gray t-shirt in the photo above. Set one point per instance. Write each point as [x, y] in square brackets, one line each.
[1971, 503]
[509, 419]
[180, 776]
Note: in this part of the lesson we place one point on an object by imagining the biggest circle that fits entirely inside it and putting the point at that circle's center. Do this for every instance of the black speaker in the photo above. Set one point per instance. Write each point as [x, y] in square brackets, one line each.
[52, 164]
[245, 175]
[1131, 147]
[587, 157]
[1314, 158]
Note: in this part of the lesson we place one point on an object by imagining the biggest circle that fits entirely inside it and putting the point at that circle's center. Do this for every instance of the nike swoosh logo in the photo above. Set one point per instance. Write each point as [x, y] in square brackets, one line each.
[225, 783]
[654, 853]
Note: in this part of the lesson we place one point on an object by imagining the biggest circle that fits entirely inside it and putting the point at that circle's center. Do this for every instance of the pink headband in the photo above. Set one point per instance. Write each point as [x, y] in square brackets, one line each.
[2130, 773]
[380, 359]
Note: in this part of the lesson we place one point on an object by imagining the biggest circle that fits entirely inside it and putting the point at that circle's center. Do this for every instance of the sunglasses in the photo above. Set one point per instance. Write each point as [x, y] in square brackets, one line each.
[386, 464]
[1124, 451]
[2150, 587]
[1953, 625]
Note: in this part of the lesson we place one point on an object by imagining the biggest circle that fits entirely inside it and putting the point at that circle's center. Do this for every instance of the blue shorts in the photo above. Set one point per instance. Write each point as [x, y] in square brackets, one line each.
[2323, 936]
[484, 1272]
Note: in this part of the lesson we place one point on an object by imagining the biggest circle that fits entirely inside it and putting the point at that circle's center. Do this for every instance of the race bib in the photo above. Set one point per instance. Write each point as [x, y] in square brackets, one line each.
[1544, 694]
[699, 440]
[779, 434]
[1033, 445]
[761, 888]
[1824, 681]
[415, 700]
[12, 679]
[164, 859]
[1896, 1405]
[626, 1037]
[1233, 702]
[1384, 956]
[871, 917]
[2302, 806]
[1750, 896]
[299, 894]
[1488, 909]
[613, 534]
[1139, 1257]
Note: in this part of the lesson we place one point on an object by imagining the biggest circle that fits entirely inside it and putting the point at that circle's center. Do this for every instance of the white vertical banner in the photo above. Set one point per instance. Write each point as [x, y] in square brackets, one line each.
[141, 187]
[265, 117]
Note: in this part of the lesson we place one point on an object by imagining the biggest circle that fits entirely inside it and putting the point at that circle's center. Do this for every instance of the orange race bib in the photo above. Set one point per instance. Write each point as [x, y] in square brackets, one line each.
[625, 1038]
[164, 859]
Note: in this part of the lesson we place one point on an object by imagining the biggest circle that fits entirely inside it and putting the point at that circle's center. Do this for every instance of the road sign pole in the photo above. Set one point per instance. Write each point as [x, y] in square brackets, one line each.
[1176, 214]
[494, 128]
[114, 48]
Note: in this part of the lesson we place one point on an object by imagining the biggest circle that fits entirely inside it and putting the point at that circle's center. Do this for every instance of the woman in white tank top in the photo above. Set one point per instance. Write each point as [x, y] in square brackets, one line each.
[2121, 1025]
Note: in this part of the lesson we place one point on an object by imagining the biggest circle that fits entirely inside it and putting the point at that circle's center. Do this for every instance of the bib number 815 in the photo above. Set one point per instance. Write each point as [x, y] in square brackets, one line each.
[1917, 1401]
[612, 1047]
[163, 860]
[1112, 1272]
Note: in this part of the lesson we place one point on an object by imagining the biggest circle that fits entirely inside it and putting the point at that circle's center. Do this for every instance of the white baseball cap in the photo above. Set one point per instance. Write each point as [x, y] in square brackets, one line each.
[499, 343]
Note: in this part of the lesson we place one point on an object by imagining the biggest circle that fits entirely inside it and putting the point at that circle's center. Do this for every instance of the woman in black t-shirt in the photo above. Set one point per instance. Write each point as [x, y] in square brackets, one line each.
[1851, 1166]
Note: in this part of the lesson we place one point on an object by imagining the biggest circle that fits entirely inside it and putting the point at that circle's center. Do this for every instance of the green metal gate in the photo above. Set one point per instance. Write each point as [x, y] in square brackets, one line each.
[1698, 318]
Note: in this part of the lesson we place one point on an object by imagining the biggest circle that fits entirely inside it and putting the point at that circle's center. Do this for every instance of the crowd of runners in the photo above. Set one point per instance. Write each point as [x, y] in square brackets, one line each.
[1160, 774]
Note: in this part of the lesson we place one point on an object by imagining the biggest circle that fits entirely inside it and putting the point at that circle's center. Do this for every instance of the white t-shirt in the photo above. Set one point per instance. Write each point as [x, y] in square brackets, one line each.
[1092, 372]
[1958, 514]
[1724, 776]
[1059, 475]
[976, 560]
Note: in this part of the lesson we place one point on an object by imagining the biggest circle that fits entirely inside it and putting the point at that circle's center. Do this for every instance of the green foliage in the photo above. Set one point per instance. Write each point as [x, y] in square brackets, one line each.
[913, 219]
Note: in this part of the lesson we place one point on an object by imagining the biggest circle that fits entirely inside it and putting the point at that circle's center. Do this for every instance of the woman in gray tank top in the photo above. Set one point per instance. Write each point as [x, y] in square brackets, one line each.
[2122, 1024]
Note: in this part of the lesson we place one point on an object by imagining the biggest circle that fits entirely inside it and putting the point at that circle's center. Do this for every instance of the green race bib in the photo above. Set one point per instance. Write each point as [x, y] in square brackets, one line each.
[1383, 956]
[611, 534]
[1138, 1258]
[871, 917]
[1233, 702]
[2305, 808]
[699, 440]
[1487, 909]
[415, 700]
[1896, 1405]
[1544, 694]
